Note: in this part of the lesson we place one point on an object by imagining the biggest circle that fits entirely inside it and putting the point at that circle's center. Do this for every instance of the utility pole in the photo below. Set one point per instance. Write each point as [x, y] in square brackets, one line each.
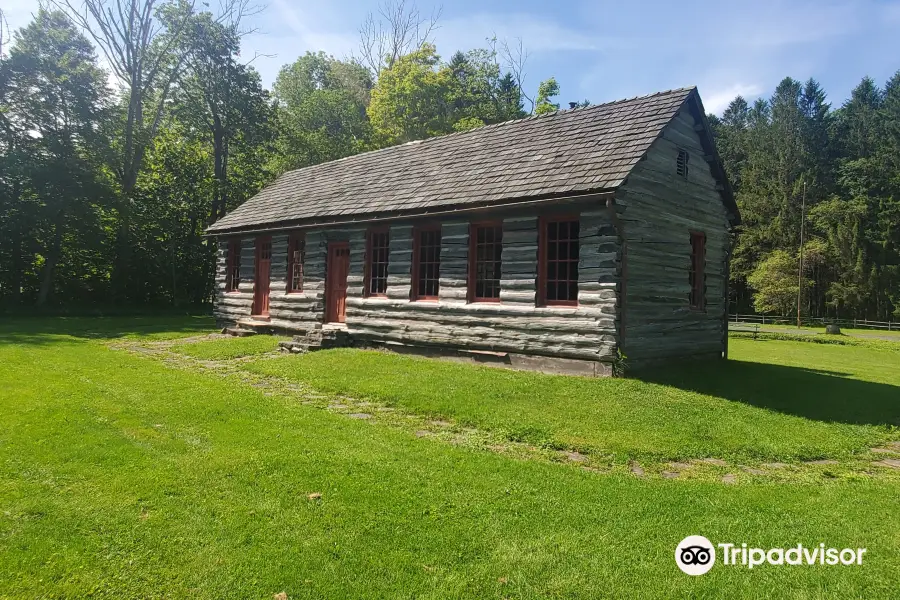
[800, 271]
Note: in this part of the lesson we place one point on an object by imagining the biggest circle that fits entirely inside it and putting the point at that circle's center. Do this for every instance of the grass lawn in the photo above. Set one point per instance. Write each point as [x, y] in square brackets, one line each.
[767, 404]
[894, 334]
[124, 476]
[227, 348]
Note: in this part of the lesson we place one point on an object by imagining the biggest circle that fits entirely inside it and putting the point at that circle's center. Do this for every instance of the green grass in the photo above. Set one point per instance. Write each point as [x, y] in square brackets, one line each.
[824, 338]
[821, 330]
[225, 349]
[123, 477]
[749, 408]
[44, 330]
[864, 361]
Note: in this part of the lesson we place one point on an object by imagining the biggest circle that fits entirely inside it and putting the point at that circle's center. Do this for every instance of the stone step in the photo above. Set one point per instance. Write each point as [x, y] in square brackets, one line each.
[317, 339]
[238, 331]
[295, 347]
[308, 337]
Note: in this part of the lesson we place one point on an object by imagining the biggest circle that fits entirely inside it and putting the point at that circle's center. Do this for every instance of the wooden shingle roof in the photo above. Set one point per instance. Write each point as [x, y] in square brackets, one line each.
[567, 152]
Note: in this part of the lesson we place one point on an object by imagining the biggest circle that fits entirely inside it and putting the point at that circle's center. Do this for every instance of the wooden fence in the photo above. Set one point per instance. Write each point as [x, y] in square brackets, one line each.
[813, 322]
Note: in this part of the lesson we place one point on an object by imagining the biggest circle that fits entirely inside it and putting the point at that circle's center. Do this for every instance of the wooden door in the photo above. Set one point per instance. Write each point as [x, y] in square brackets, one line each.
[262, 272]
[336, 282]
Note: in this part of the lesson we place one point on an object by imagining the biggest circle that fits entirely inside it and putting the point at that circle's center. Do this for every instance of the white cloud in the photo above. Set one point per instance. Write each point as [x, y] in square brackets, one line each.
[540, 34]
[310, 34]
[719, 97]
[18, 12]
[778, 24]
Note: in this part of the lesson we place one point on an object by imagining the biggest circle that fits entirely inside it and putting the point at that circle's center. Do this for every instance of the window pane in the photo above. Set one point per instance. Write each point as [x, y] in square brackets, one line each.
[233, 267]
[377, 257]
[428, 267]
[486, 247]
[560, 256]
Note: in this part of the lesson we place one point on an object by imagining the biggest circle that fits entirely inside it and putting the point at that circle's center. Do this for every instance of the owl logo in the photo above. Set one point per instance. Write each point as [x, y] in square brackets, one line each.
[695, 555]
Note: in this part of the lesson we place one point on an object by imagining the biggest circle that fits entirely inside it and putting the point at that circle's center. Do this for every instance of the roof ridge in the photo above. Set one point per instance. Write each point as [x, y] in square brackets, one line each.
[610, 103]
[530, 117]
[591, 150]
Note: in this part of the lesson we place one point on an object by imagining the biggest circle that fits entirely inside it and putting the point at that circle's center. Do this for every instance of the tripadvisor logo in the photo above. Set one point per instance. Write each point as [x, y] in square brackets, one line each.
[696, 555]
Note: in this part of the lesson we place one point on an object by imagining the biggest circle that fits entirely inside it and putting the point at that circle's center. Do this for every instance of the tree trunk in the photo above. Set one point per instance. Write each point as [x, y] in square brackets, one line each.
[119, 277]
[18, 236]
[220, 171]
[16, 274]
[174, 271]
[52, 260]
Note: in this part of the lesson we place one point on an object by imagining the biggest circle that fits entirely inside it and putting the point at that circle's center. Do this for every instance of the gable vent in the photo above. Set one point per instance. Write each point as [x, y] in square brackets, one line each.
[681, 164]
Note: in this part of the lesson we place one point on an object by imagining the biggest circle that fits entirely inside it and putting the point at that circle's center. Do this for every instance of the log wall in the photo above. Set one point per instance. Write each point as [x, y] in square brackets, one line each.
[514, 325]
[231, 306]
[658, 212]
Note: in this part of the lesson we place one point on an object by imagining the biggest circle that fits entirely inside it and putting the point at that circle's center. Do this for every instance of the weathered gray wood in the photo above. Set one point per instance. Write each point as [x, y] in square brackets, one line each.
[659, 211]
[513, 325]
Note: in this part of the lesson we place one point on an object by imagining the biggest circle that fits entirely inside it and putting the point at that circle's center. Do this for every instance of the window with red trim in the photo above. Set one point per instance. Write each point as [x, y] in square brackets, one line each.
[426, 263]
[558, 253]
[296, 260]
[233, 266]
[485, 247]
[697, 275]
[378, 249]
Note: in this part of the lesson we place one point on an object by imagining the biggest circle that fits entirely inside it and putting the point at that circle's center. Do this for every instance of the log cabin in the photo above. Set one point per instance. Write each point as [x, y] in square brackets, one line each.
[568, 242]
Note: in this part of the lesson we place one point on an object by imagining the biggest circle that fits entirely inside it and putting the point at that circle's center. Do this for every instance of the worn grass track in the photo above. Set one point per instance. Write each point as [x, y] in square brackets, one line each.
[761, 406]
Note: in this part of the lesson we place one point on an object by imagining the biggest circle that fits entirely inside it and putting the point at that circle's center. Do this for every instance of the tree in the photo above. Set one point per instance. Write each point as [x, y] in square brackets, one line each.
[412, 99]
[322, 110]
[777, 155]
[515, 58]
[140, 40]
[399, 29]
[18, 208]
[731, 138]
[4, 33]
[847, 162]
[419, 96]
[221, 96]
[170, 215]
[548, 89]
[510, 98]
[56, 93]
[775, 280]
[479, 93]
[843, 224]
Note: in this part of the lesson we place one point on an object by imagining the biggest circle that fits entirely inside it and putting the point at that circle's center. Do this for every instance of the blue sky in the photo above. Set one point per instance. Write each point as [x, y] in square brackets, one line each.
[603, 50]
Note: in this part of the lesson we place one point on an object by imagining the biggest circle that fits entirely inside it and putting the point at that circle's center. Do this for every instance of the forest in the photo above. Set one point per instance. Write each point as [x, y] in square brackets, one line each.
[128, 126]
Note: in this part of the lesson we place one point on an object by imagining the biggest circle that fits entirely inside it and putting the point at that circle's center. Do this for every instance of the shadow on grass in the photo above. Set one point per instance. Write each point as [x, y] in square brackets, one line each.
[828, 396]
[42, 330]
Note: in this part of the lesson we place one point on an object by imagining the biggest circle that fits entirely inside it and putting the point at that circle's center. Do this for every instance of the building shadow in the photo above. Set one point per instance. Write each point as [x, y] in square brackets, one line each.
[828, 396]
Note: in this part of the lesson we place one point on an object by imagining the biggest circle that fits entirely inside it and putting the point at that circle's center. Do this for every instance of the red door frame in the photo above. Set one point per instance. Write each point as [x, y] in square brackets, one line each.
[336, 270]
[261, 284]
